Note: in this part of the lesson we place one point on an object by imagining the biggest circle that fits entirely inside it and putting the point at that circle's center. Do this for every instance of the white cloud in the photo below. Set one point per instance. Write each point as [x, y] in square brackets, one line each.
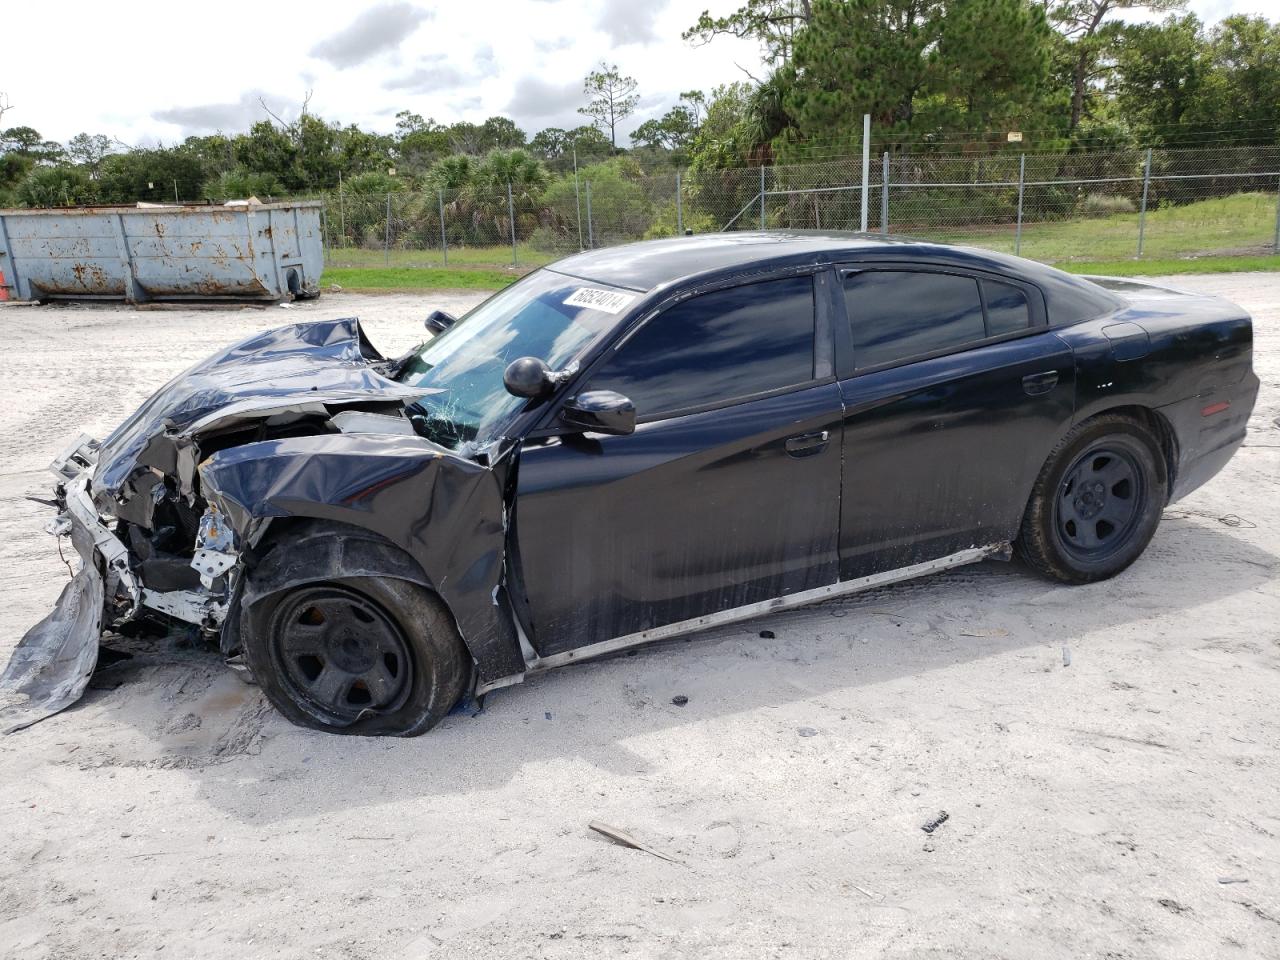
[378, 30]
[629, 21]
[537, 99]
[432, 75]
[226, 117]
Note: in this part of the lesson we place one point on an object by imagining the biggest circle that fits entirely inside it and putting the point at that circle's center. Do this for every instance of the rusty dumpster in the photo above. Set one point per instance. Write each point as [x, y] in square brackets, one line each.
[240, 251]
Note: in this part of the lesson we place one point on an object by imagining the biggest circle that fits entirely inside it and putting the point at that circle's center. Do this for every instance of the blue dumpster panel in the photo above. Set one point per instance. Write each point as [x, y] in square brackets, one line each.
[263, 252]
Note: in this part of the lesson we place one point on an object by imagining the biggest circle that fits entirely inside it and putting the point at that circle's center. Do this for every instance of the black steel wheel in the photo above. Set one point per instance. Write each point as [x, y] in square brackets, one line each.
[1097, 501]
[371, 654]
[341, 652]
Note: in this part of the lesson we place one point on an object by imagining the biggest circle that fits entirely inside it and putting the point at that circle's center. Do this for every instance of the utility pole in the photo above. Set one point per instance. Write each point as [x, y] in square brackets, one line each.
[1142, 214]
[577, 198]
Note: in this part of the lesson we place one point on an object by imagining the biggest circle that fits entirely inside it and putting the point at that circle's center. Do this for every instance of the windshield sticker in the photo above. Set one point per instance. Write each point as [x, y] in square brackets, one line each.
[607, 301]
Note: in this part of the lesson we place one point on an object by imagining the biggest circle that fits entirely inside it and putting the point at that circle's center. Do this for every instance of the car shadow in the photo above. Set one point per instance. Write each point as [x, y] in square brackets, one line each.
[253, 765]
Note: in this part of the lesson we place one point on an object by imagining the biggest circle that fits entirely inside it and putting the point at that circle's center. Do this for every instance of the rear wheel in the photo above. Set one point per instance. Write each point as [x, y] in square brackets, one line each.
[371, 656]
[1097, 501]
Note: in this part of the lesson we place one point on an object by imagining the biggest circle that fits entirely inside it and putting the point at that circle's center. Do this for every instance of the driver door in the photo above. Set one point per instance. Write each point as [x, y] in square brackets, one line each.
[726, 494]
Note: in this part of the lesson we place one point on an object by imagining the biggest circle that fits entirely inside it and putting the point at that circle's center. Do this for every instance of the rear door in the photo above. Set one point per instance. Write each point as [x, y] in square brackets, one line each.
[955, 391]
[726, 494]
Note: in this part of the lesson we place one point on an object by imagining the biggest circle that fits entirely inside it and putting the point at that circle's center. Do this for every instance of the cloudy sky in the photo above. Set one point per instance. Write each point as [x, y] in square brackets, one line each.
[146, 72]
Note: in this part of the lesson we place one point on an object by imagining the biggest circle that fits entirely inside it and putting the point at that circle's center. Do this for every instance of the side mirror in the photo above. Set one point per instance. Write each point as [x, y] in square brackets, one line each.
[528, 377]
[438, 321]
[600, 411]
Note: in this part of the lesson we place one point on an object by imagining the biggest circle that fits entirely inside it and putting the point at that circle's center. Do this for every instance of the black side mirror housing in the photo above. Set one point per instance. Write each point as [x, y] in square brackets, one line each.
[528, 377]
[600, 411]
[438, 321]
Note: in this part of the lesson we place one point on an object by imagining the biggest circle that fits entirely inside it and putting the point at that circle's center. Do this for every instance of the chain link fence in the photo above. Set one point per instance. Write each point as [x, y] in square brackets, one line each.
[1054, 207]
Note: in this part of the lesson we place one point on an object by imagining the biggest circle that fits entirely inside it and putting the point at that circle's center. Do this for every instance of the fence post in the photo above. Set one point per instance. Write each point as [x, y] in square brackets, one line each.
[342, 212]
[511, 214]
[444, 237]
[866, 165]
[761, 195]
[679, 208]
[386, 243]
[1022, 181]
[591, 240]
[577, 197]
[1142, 214]
[1275, 244]
[884, 197]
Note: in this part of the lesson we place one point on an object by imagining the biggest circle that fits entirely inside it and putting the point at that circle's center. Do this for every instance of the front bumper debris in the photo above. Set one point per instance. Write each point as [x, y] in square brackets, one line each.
[53, 661]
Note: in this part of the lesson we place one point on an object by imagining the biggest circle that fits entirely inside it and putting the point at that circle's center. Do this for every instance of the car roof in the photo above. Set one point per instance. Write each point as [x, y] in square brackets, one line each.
[654, 264]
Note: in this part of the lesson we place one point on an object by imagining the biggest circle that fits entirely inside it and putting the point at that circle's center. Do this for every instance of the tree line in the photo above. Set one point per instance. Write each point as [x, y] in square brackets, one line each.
[945, 76]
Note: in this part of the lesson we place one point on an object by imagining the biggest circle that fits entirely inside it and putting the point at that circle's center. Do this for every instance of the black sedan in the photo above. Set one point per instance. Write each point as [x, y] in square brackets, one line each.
[631, 444]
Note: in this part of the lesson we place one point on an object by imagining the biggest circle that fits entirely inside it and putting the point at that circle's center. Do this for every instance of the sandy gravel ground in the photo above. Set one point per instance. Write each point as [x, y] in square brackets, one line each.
[1095, 809]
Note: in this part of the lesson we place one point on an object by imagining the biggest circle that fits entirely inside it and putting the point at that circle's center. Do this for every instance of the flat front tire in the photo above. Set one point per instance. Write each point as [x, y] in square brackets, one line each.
[1096, 503]
[370, 656]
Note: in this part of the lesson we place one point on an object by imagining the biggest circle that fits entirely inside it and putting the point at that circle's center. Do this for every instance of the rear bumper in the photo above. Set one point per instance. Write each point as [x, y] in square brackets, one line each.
[1207, 434]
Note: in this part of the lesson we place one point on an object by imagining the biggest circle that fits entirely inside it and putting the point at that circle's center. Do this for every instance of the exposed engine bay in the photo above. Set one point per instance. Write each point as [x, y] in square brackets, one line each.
[164, 514]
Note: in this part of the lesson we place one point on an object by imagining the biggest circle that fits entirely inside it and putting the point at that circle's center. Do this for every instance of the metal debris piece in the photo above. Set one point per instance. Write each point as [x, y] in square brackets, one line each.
[936, 822]
[1226, 880]
[624, 838]
[53, 661]
[1066, 655]
[680, 700]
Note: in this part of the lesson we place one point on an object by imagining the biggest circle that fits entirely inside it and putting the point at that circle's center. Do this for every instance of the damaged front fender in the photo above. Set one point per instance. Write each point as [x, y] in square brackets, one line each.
[444, 511]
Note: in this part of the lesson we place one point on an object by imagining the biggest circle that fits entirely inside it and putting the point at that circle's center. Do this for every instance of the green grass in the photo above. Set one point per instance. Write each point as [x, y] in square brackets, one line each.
[494, 258]
[1242, 224]
[1164, 266]
[399, 279]
[1227, 234]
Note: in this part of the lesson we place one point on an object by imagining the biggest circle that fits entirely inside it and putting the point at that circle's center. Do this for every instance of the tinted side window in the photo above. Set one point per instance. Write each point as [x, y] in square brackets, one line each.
[717, 347]
[1007, 309]
[900, 314]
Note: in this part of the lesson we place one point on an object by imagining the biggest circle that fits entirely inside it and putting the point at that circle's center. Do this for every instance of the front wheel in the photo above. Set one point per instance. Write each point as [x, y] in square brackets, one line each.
[371, 656]
[1097, 501]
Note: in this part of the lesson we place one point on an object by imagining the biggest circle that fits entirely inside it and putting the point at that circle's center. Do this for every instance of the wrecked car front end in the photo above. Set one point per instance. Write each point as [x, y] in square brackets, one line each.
[123, 576]
[301, 422]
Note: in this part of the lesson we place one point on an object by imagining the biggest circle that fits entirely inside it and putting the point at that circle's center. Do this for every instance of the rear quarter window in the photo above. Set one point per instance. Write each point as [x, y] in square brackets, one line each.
[1007, 308]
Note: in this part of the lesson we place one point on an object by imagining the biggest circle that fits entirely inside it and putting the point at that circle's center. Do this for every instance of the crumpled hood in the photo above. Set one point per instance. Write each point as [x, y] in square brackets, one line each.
[296, 368]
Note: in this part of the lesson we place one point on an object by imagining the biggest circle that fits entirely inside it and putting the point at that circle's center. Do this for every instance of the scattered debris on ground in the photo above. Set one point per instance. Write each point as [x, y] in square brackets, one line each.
[935, 822]
[624, 838]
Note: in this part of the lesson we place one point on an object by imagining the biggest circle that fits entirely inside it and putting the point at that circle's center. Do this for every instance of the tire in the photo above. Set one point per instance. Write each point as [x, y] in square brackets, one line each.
[366, 655]
[1096, 503]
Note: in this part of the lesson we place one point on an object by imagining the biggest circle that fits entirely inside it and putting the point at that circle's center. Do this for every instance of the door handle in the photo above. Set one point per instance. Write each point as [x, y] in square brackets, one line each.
[1038, 384]
[807, 444]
